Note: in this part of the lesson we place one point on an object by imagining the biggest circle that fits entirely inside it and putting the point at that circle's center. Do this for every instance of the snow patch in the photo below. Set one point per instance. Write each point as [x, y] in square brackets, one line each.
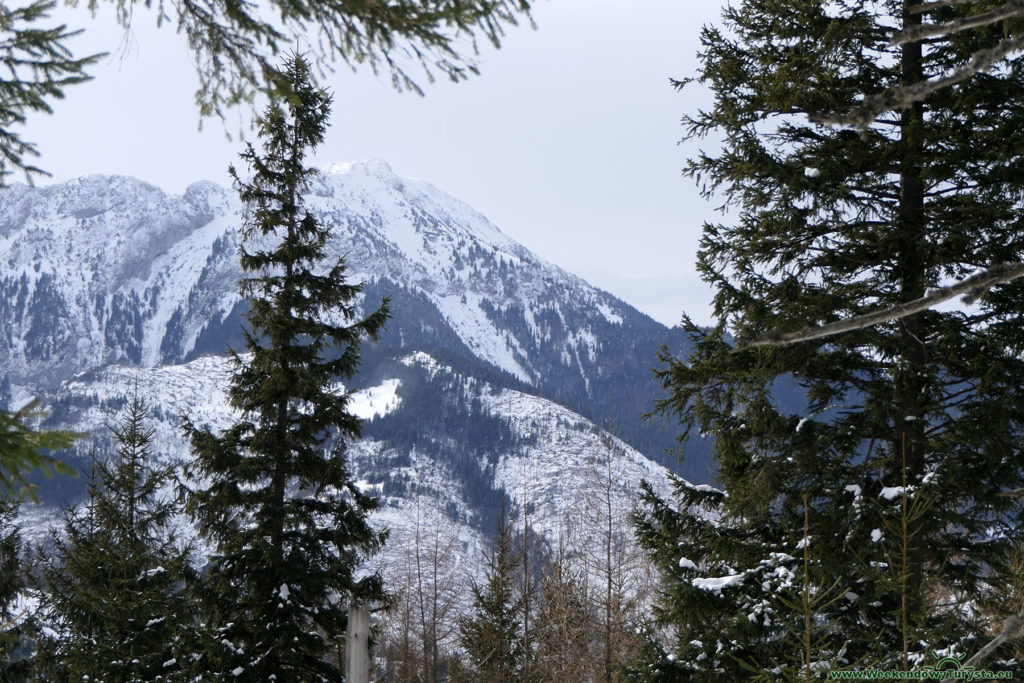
[891, 492]
[717, 584]
[377, 401]
[609, 315]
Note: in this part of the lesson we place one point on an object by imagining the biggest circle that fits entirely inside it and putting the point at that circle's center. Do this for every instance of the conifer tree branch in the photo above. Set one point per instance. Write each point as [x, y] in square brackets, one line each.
[931, 6]
[971, 288]
[1010, 10]
[902, 98]
[905, 96]
[1011, 629]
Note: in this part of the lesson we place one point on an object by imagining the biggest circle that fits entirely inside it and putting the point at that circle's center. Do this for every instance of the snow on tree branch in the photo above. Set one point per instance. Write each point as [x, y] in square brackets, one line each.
[929, 6]
[971, 288]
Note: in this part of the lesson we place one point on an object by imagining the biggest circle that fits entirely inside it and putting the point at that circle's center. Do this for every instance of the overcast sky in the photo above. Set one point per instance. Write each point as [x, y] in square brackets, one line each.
[568, 140]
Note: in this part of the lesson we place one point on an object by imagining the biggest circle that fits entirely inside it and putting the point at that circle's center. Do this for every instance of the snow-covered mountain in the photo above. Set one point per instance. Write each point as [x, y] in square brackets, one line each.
[435, 440]
[494, 378]
[105, 270]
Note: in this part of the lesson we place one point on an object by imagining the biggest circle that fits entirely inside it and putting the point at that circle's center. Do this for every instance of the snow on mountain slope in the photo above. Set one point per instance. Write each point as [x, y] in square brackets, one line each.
[486, 386]
[556, 464]
[197, 389]
[110, 269]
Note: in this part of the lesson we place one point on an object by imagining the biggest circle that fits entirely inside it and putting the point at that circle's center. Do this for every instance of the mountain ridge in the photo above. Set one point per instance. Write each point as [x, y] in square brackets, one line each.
[110, 269]
[501, 383]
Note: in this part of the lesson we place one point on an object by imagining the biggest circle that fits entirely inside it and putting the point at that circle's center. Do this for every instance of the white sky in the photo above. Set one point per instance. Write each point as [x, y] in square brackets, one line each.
[567, 141]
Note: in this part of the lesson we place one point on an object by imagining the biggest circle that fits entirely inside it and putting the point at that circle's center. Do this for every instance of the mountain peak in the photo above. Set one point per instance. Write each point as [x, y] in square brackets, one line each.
[370, 167]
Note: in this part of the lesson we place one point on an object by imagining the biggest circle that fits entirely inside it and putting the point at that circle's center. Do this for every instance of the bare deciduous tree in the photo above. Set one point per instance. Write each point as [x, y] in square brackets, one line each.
[418, 633]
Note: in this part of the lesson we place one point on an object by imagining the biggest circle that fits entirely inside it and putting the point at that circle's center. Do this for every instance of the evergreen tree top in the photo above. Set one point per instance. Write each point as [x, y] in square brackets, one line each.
[113, 605]
[287, 521]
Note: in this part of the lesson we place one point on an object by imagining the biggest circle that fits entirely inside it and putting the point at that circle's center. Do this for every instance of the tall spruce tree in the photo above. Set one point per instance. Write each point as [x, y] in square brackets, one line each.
[868, 528]
[113, 594]
[286, 521]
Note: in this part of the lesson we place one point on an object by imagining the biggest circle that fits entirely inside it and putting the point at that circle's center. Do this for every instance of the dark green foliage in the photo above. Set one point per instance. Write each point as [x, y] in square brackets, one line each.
[35, 67]
[234, 44]
[113, 593]
[492, 634]
[287, 523]
[22, 449]
[832, 223]
[14, 650]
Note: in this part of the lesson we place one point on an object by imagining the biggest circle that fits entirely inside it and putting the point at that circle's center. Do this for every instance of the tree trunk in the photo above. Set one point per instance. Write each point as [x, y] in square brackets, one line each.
[357, 646]
[908, 399]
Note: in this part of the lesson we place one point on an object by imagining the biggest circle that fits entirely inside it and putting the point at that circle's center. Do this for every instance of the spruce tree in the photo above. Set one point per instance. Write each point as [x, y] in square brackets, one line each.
[71, 577]
[868, 527]
[113, 594]
[492, 634]
[287, 524]
[13, 647]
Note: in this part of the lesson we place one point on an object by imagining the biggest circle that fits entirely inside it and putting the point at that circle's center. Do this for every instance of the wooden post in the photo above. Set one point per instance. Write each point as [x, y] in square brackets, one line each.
[357, 646]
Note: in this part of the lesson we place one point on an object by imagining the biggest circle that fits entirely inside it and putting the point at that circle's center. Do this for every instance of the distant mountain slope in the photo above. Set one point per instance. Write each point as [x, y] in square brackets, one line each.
[436, 440]
[106, 270]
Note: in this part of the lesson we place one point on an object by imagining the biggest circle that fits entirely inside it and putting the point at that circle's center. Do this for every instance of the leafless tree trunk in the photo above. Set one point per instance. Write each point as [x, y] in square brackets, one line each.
[418, 632]
[603, 550]
[567, 627]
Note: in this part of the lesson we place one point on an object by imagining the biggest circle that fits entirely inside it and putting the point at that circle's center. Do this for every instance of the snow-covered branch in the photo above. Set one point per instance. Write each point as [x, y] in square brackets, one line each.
[971, 288]
[903, 98]
[930, 6]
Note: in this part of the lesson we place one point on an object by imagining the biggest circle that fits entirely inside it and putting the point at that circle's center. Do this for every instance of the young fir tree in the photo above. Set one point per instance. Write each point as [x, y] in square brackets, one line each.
[287, 523]
[114, 587]
[913, 427]
[13, 648]
[492, 634]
